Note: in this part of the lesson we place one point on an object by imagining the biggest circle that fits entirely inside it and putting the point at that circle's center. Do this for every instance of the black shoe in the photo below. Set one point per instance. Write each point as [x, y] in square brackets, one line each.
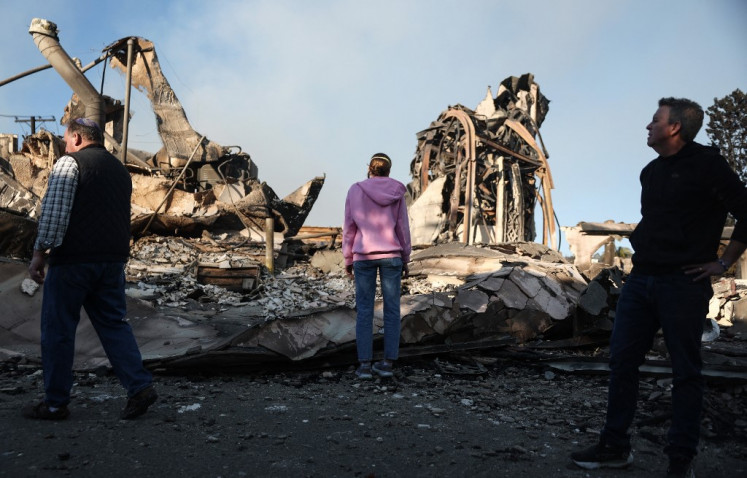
[603, 455]
[139, 403]
[680, 467]
[41, 411]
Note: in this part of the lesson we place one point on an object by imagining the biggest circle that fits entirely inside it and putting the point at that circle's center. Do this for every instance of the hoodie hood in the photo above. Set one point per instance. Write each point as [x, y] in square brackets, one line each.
[382, 190]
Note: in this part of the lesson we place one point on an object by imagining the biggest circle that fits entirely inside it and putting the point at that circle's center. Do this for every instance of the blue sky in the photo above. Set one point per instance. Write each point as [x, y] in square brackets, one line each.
[315, 87]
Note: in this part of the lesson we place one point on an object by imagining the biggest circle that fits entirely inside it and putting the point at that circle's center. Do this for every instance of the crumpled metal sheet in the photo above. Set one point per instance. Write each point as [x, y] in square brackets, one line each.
[159, 335]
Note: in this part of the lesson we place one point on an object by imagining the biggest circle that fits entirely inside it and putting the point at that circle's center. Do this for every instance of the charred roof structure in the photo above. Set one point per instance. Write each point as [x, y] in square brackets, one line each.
[477, 175]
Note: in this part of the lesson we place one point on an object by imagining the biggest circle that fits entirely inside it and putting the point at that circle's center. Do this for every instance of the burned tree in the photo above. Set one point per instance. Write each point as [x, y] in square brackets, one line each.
[477, 174]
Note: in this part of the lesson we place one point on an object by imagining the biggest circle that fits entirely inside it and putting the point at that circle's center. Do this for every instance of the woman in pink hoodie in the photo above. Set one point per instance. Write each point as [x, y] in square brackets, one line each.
[376, 238]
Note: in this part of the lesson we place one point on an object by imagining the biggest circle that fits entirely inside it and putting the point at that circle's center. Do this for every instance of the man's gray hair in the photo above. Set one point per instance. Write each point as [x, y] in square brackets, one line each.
[687, 113]
[87, 128]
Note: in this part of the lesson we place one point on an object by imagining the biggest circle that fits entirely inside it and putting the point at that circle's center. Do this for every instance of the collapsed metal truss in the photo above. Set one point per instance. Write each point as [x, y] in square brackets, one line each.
[492, 164]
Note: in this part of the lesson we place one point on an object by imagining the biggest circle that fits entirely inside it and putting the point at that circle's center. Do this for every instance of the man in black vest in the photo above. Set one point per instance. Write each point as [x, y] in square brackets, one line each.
[85, 224]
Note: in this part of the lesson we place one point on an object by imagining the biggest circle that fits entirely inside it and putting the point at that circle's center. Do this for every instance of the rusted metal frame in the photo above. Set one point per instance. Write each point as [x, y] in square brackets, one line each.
[442, 143]
[444, 133]
[509, 151]
[545, 226]
[524, 134]
[470, 148]
[471, 231]
[425, 164]
[500, 199]
[550, 210]
[457, 190]
[484, 209]
[547, 183]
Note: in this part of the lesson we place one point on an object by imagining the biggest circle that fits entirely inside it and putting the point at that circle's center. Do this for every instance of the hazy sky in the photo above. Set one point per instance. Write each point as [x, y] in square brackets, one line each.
[316, 87]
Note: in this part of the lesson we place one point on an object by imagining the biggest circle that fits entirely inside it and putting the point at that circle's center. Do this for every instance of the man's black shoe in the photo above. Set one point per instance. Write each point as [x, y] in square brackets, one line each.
[139, 403]
[680, 467]
[41, 411]
[603, 455]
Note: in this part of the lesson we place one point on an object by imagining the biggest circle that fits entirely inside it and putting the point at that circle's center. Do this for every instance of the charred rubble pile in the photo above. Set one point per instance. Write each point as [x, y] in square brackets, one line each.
[458, 296]
[200, 273]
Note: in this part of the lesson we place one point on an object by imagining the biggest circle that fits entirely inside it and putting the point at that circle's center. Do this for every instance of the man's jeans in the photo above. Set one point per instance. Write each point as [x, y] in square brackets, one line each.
[679, 306]
[390, 271]
[99, 288]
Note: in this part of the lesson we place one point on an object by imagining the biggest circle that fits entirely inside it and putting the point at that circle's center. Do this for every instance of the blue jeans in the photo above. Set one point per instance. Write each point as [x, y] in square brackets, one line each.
[390, 271]
[678, 306]
[99, 288]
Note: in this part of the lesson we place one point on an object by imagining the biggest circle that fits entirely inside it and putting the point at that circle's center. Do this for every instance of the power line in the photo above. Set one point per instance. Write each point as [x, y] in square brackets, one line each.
[31, 120]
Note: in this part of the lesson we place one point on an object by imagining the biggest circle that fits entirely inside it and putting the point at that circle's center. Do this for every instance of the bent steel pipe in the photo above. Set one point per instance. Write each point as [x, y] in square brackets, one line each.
[45, 37]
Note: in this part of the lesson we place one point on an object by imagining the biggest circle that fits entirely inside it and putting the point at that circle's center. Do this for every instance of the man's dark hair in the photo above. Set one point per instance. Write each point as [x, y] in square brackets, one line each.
[687, 113]
[86, 128]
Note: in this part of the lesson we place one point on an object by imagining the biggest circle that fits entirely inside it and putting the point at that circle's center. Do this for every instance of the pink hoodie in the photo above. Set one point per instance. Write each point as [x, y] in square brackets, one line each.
[376, 224]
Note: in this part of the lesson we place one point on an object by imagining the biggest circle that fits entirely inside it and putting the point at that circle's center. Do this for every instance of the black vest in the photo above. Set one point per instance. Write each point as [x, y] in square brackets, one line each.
[99, 228]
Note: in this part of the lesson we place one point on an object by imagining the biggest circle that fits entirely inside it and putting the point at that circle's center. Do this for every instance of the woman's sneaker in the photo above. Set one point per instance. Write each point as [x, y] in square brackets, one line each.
[383, 368]
[364, 371]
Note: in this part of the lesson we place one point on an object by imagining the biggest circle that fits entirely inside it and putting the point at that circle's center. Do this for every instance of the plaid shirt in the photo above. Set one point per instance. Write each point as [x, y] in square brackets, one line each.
[57, 204]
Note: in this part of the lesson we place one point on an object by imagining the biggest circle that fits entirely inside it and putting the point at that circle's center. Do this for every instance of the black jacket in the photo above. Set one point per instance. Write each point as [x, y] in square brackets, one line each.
[99, 228]
[684, 202]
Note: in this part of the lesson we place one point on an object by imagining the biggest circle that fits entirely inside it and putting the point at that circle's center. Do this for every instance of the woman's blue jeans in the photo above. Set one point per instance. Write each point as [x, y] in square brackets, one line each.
[390, 272]
[678, 306]
[99, 288]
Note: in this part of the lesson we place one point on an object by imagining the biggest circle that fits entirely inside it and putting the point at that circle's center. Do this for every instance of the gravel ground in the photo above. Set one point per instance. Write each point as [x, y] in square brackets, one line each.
[441, 416]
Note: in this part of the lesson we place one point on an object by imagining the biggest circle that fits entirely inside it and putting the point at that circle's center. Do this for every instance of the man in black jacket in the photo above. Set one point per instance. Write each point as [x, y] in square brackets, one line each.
[85, 223]
[686, 194]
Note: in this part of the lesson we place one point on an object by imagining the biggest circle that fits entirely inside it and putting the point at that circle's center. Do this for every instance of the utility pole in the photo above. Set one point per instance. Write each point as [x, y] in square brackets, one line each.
[32, 121]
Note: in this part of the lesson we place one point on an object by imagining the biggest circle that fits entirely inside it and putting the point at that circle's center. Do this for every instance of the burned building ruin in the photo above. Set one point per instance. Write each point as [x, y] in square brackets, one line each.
[477, 174]
[190, 184]
[198, 295]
